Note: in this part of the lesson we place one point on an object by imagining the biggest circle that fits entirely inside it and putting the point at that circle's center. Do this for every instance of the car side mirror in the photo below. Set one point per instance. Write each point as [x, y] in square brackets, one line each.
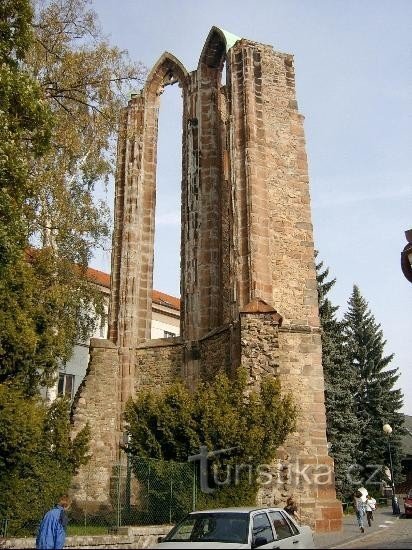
[259, 541]
[160, 539]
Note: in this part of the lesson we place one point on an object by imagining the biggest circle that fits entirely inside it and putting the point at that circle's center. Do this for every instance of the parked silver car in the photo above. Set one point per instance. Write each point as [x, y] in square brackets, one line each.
[238, 528]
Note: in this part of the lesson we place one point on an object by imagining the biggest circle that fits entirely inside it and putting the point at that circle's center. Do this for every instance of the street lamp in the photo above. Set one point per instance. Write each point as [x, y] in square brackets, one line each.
[387, 430]
[406, 256]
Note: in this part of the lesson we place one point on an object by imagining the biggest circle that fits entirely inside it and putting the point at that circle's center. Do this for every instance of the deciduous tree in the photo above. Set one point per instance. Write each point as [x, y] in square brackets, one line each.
[63, 88]
[85, 81]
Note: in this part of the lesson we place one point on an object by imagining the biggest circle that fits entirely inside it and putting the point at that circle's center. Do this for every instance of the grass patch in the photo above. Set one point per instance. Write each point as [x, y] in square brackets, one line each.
[73, 530]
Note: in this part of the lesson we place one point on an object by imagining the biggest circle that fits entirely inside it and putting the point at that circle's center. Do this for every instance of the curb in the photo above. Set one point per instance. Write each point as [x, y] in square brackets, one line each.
[361, 537]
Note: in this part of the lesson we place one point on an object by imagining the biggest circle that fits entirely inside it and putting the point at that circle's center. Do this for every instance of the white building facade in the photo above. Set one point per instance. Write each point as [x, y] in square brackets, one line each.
[165, 324]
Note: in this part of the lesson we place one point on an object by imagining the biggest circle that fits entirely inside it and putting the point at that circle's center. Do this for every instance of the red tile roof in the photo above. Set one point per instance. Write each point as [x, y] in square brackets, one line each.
[160, 298]
[98, 277]
[165, 299]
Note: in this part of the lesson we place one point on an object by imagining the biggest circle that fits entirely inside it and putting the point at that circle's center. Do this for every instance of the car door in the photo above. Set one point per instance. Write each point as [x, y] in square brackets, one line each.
[287, 534]
[262, 531]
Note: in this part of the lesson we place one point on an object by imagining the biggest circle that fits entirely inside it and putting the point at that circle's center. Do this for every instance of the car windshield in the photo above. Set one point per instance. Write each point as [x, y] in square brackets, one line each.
[212, 527]
[410, 494]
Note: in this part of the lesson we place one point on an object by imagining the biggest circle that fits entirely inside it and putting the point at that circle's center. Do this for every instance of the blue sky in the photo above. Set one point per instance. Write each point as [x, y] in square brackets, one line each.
[353, 64]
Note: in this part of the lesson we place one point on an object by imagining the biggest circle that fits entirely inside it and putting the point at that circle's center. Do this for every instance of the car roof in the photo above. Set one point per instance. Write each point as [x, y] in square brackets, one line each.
[240, 509]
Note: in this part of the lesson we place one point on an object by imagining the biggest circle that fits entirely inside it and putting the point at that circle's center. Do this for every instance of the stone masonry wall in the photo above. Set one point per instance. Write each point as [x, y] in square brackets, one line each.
[158, 363]
[301, 467]
[259, 346]
[216, 353]
[97, 403]
[136, 537]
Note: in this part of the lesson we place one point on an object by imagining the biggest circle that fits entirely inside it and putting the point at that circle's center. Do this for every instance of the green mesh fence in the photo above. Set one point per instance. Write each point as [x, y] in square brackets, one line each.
[167, 491]
[142, 492]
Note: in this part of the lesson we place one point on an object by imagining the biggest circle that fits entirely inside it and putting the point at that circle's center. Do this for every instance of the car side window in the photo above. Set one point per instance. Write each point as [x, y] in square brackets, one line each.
[282, 527]
[261, 528]
[295, 530]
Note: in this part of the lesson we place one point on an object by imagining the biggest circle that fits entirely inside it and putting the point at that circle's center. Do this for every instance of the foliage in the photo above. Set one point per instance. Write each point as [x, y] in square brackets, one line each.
[174, 423]
[342, 426]
[42, 314]
[377, 401]
[37, 455]
[62, 88]
[85, 81]
[359, 389]
[167, 490]
[25, 124]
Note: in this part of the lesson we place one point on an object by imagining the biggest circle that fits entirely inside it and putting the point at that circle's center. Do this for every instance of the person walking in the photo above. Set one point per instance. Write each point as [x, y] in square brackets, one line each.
[291, 508]
[359, 506]
[52, 529]
[370, 506]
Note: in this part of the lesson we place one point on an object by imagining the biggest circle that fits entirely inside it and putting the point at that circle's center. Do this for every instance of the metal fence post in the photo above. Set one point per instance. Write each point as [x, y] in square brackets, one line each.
[119, 514]
[171, 500]
[3, 528]
[194, 488]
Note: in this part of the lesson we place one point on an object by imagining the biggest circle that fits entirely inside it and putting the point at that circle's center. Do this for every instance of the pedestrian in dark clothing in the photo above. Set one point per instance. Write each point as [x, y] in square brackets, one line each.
[370, 506]
[291, 508]
[52, 529]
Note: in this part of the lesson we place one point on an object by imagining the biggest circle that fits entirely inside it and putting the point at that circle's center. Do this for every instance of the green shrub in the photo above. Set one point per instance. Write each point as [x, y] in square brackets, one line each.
[172, 424]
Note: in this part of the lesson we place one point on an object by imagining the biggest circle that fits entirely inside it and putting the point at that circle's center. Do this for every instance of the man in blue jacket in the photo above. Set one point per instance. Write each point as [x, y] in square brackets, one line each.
[52, 529]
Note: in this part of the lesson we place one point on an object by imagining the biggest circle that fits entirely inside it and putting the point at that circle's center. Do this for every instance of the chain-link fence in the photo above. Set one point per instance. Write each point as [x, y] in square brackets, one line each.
[166, 491]
[142, 492]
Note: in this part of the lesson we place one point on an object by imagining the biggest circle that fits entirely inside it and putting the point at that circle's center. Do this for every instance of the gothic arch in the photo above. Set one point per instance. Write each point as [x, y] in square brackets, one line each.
[218, 42]
[166, 71]
[132, 265]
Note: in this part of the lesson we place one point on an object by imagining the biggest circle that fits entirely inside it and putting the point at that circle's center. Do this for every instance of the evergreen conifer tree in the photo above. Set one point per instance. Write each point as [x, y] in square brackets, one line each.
[377, 401]
[342, 426]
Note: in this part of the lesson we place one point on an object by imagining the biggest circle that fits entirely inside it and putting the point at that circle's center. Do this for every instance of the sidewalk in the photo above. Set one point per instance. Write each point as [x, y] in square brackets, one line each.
[350, 530]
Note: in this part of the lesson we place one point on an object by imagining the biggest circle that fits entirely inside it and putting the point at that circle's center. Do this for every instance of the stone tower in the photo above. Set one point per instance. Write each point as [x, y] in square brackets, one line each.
[248, 282]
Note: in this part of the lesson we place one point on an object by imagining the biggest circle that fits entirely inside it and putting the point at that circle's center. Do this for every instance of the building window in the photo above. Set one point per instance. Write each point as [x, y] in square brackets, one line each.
[167, 334]
[103, 326]
[66, 385]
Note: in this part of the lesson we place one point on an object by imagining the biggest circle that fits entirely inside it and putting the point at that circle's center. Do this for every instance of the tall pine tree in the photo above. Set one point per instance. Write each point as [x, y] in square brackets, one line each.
[341, 421]
[377, 401]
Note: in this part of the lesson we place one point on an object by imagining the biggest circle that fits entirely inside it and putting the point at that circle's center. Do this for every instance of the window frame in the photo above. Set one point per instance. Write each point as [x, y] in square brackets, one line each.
[285, 519]
[252, 518]
[292, 523]
[64, 376]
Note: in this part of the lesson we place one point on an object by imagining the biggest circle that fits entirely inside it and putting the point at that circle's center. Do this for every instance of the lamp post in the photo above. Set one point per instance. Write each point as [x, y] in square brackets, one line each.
[406, 256]
[387, 430]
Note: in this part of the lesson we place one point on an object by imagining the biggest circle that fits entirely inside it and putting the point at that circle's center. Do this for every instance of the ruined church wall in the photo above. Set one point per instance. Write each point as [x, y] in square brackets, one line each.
[290, 228]
[97, 404]
[294, 289]
[216, 352]
[246, 237]
[158, 363]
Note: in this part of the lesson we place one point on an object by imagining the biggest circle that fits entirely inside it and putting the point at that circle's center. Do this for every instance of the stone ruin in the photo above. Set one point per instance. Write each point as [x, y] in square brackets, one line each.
[248, 281]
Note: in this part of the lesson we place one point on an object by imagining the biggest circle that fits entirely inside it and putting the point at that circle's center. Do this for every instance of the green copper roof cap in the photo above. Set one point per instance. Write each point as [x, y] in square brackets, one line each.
[218, 42]
[230, 38]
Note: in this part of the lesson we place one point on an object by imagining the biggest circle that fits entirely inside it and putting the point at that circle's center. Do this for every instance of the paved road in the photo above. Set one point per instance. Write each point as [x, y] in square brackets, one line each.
[389, 534]
[385, 529]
